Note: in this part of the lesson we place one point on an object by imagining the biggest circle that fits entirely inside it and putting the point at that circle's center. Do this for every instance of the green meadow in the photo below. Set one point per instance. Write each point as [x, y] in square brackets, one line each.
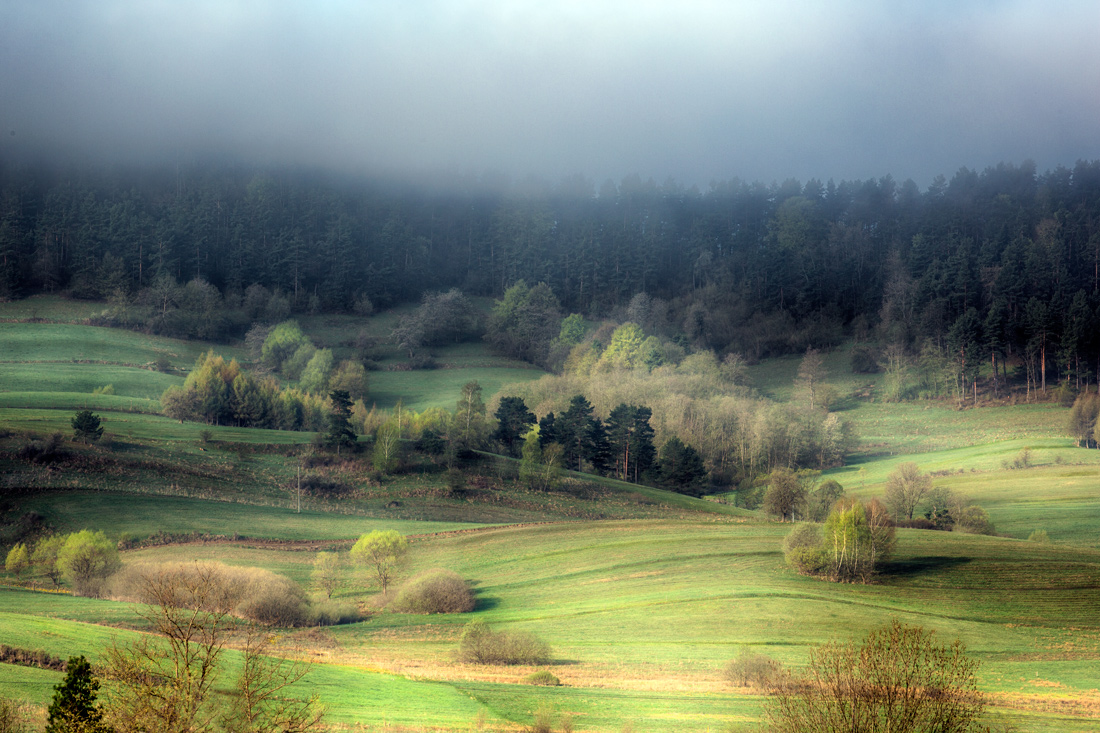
[644, 595]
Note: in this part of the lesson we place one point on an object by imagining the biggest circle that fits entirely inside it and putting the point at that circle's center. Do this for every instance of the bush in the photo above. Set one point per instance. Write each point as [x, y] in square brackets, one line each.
[803, 551]
[750, 669]
[1040, 536]
[434, 591]
[46, 450]
[542, 677]
[482, 645]
[329, 613]
[250, 593]
[865, 359]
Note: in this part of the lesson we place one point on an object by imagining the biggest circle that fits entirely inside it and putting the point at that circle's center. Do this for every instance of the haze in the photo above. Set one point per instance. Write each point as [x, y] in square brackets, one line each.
[697, 90]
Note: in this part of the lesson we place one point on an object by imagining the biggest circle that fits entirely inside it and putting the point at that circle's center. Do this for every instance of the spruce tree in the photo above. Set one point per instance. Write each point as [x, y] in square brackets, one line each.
[339, 421]
[74, 709]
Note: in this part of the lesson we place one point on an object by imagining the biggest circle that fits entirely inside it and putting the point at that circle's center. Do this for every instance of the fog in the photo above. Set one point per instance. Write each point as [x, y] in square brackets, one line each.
[696, 91]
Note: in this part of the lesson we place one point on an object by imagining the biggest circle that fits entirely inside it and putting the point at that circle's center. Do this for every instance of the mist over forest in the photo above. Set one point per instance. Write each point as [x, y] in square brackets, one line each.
[1006, 259]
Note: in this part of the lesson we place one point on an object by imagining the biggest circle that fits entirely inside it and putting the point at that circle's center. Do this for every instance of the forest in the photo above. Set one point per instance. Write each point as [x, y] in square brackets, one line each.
[1003, 263]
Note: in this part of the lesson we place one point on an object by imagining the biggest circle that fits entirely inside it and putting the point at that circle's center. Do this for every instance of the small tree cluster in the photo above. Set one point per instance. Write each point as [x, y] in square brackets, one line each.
[84, 559]
[854, 540]
[442, 318]
[218, 392]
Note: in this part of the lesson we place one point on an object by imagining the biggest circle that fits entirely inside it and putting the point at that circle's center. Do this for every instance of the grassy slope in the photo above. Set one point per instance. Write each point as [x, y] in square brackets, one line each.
[621, 602]
[643, 615]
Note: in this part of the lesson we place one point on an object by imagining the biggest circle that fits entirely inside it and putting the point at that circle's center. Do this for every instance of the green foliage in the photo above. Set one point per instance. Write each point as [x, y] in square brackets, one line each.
[382, 551]
[18, 559]
[74, 708]
[295, 364]
[326, 572]
[630, 442]
[85, 559]
[386, 447]
[525, 321]
[315, 376]
[540, 467]
[469, 427]
[786, 494]
[434, 591]
[821, 500]
[45, 556]
[1040, 536]
[572, 329]
[350, 376]
[285, 339]
[624, 351]
[86, 426]
[479, 644]
[854, 540]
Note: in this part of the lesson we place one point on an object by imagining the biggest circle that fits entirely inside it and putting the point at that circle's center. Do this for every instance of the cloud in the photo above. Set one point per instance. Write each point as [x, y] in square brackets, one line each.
[694, 90]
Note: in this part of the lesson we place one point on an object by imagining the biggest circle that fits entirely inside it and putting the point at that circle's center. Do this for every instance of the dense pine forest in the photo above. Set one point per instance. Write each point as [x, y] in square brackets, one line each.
[1001, 263]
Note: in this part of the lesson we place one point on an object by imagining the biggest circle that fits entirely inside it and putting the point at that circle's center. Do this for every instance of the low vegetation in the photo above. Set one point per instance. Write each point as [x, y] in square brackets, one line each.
[481, 645]
[898, 680]
[434, 591]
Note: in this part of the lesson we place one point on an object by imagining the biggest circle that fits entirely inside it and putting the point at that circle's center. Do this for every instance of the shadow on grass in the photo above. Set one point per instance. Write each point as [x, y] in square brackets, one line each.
[917, 566]
[486, 603]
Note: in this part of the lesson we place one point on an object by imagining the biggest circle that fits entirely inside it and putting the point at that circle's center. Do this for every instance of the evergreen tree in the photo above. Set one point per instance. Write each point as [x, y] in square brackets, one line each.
[339, 422]
[631, 441]
[74, 709]
[86, 426]
[513, 421]
[681, 468]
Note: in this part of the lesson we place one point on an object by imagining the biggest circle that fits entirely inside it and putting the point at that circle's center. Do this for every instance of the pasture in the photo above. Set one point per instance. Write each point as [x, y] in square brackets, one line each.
[644, 595]
[642, 616]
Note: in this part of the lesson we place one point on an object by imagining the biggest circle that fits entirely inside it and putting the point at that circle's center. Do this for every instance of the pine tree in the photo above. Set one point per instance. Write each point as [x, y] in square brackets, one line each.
[86, 426]
[339, 421]
[73, 709]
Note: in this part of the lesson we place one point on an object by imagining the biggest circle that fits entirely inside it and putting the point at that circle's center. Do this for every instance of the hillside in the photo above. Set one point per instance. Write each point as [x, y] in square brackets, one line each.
[643, 594]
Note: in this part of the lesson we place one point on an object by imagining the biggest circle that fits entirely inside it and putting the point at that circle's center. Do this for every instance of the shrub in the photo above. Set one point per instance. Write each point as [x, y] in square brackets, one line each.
[865, 359]
[46, 450]
[750, 669]
[482, 645]
[543, 677]
[898, 679]
[330, 613]
[803, 550]
[434, 591]
[1040, 536]
[16, 716]
[250, 593]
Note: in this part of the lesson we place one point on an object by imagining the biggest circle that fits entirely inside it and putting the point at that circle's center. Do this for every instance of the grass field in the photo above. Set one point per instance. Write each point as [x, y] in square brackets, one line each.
[644, 595]
[643, 615]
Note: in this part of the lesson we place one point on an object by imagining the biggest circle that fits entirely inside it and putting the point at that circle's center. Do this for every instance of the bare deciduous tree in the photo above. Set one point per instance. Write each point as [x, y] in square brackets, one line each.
[898, 680]
[905, 487]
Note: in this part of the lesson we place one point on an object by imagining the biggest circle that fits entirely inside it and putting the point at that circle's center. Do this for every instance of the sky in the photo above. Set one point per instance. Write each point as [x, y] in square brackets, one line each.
[696, 91]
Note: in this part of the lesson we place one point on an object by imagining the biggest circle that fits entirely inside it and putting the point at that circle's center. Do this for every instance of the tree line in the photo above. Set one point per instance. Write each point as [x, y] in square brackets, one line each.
[988, 266]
